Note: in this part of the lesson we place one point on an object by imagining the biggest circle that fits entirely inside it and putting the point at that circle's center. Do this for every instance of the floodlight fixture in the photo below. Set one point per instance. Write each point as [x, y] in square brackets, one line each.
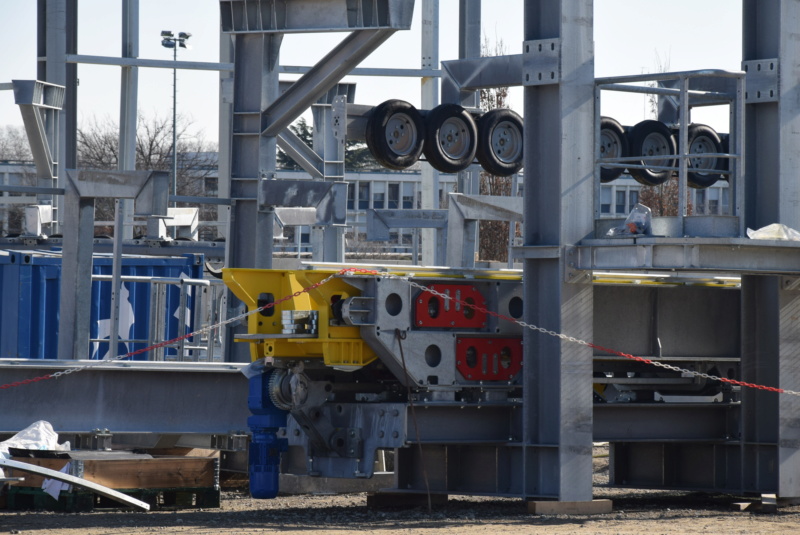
[167, 33]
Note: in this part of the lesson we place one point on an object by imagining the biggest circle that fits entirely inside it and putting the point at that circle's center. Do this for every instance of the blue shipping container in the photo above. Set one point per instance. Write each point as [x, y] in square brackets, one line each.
[30, 294]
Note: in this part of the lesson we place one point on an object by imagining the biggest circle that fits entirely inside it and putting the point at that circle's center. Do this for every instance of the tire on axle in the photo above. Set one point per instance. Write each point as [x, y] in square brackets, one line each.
[613, 144]
[652, 139]
[705, 171]
[450, 138]
[395, 134]
[500, 142]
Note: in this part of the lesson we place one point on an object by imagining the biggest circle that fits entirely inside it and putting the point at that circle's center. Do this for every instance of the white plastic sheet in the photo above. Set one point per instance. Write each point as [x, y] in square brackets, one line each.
[775, 231]
[37, 436]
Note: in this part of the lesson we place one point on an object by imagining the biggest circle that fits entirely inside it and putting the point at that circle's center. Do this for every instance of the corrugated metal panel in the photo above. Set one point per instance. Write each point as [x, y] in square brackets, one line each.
[30, 284]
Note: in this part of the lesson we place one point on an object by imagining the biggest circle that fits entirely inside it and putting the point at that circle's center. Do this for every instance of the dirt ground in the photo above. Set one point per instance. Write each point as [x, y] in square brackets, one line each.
[634, 512]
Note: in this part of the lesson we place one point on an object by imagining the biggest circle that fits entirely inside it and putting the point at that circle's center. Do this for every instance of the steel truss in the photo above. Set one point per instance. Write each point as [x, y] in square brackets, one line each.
[745, 443]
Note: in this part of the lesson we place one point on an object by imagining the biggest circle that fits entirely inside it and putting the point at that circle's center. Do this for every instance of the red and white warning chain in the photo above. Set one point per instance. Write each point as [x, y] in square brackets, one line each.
[360, 271]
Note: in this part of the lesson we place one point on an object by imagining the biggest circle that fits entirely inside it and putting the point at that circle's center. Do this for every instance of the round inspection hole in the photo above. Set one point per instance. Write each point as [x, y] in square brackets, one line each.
[472, 357]
[433, 306]
[469, 311]
[505, 358]
[394, 304]
[433, 356]
[515, 307]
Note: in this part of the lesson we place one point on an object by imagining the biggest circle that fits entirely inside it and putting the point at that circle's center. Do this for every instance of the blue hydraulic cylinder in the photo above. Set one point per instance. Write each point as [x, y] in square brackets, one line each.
[265, 446]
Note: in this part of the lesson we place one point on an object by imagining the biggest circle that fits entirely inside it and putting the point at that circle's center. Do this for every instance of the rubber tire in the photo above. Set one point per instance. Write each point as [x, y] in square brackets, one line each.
[456, 120]
[392, 121]
[650, 131]
[500, 142]
[612, 128]
[700, 133]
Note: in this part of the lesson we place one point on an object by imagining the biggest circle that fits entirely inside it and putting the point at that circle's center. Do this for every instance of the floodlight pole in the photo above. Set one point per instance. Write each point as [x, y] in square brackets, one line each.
[169, 40]
[175, 122]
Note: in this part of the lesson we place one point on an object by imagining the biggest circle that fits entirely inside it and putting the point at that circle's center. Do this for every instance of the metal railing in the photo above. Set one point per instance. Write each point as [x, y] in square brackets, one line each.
[727, 88]
[200, 303]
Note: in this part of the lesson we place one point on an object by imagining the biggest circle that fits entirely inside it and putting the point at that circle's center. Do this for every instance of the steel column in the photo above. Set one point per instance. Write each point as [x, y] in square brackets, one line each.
[558, 212]
[128, 106]
[430, 99]
[769, 30]
[58, 36]
[771, 457]
[469, 40]
[76, 282]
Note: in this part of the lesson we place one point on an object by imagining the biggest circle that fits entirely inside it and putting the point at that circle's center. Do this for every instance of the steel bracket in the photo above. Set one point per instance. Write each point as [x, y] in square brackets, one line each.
[327, 198]
[541, 62]
[231, 442]
[761, 83]
[572, 270]
[790, 284]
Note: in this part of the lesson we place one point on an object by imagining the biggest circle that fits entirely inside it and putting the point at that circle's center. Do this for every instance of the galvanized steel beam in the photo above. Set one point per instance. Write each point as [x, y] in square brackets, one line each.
[134, 61]
[127, 397]
[463, 214]
[325, 74]
[730, 255]
[304, 16]
[559, 174]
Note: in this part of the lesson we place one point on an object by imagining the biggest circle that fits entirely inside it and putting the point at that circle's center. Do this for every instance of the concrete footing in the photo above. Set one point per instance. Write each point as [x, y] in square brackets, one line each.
[293, 484]
[594, 507]
[382, 500]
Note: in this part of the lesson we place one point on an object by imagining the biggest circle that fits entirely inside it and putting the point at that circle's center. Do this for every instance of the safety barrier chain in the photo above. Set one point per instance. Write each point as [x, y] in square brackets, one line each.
[595, 346]
[361, 271]
[208, 329]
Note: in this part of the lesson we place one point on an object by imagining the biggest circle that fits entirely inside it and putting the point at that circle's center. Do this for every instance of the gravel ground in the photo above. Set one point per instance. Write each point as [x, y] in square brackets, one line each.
[635, 512]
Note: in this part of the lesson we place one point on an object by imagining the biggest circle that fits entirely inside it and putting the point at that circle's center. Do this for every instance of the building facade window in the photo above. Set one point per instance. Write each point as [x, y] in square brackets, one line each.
[363, 195]
[394, 196]
[379, 195]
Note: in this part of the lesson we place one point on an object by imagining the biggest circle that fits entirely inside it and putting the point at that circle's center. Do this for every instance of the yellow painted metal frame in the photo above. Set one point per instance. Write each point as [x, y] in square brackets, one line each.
[338, 346]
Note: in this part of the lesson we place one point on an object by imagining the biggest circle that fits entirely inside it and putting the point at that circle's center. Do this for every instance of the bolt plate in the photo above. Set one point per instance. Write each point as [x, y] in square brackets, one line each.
[489, 359]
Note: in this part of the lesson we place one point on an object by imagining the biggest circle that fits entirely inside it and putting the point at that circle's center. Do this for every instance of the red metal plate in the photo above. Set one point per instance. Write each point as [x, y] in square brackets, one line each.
[433, 311]
[488, 359]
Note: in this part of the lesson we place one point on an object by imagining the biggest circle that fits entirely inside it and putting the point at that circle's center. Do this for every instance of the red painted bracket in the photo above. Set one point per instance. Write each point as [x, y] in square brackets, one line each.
[430, 310]
[488, 359]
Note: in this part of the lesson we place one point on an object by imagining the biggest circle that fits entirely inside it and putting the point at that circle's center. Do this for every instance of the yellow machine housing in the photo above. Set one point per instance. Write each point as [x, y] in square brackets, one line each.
[338, 345]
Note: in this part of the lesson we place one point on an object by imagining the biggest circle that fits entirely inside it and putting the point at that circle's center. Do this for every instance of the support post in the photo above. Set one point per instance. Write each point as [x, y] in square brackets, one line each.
[429, 182]
[557, 407]
[128, 106]
[76, 286]
[770, 304]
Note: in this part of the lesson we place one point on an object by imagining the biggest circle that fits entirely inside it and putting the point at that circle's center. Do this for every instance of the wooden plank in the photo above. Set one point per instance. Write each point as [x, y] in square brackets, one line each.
[78, 482]
[36, 480]
[162, 472]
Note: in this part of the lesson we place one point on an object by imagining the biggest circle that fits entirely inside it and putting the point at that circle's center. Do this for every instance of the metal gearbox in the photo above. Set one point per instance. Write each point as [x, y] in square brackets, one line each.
[436, 342]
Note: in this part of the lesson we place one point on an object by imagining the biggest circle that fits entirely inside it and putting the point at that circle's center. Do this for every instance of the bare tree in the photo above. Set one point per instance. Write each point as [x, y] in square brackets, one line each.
[662, 199]
[14, 144]
[15, 150]
[98, 148]
[493, 235]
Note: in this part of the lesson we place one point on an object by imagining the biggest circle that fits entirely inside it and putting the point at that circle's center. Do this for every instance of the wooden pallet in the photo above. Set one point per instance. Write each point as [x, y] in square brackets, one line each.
[29, 498]
[163, 482]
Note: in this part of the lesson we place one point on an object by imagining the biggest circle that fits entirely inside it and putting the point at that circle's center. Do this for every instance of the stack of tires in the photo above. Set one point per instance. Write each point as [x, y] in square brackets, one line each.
[449, 136]
[657, 142]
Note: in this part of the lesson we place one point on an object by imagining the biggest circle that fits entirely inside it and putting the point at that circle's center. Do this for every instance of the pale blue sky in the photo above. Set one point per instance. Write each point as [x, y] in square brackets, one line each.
[631, 37]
